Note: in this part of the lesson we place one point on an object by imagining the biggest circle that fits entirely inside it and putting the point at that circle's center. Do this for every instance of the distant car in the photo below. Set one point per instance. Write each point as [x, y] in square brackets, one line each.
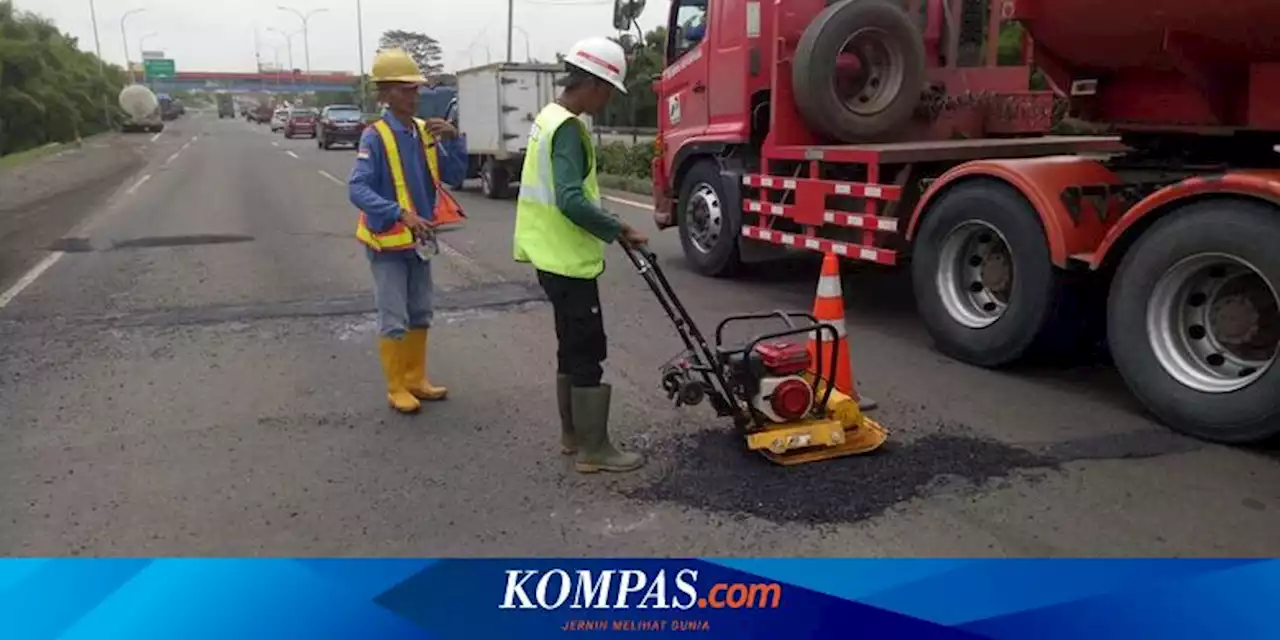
[260, 114]
[278, 118]
[339, 124]
[300, 122]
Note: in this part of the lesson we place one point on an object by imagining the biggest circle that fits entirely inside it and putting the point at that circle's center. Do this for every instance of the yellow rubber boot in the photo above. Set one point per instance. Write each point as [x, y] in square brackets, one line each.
[415, 373]
[393, 367]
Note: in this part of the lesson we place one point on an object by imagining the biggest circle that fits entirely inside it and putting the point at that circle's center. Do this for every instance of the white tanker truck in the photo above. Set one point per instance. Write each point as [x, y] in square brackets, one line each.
[142, 110]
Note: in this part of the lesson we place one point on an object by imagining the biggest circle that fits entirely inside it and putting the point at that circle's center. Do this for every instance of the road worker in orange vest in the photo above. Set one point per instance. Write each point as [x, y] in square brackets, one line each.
[401, 164]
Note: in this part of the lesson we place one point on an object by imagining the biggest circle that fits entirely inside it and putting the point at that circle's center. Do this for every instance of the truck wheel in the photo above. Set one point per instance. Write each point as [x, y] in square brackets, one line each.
[709, 224]
[494, 180]
[859, 70]
[984, 283]
[1193, 321]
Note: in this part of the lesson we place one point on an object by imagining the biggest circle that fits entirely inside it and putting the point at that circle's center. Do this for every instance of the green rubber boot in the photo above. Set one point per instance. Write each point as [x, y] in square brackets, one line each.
[564, 397]
[590, 406]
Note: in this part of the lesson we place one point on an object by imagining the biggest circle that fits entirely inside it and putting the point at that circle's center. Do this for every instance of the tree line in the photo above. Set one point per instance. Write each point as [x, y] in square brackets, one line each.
[50, 90]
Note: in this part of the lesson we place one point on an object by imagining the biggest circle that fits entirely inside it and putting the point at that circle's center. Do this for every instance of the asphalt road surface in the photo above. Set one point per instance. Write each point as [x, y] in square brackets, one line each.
[192, 371]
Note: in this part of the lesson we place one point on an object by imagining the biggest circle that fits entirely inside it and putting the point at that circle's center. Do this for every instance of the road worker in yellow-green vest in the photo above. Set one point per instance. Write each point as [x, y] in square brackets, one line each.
[562, 231]
[401, 165]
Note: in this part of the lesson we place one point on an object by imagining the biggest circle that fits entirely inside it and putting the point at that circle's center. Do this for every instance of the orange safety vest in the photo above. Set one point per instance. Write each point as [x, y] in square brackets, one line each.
[447, 210]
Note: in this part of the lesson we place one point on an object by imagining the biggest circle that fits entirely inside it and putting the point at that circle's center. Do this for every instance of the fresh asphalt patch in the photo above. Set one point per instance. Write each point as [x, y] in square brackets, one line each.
[87, 245]
[713, 471]
[488, 297]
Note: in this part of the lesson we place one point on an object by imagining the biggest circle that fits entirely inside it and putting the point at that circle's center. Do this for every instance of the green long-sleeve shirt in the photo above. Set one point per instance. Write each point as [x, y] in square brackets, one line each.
[569, 167]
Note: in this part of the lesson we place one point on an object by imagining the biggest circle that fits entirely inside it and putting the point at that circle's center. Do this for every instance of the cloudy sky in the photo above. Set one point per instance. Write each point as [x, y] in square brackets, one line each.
[218, 35]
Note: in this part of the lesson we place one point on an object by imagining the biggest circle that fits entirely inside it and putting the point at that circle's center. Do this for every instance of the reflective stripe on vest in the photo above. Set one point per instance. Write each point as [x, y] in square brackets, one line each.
[447, 210]
[543, 235]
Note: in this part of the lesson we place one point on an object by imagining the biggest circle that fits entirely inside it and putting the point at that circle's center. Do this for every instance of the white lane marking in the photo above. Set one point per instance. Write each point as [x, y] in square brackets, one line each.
[293, 155]
[29, 277]
[184, 147]
[157, 136]
[330, 177]
[274, 143]
[467, 265]
[173, 157]
[137, 184]
[193, 138]
[629, 203]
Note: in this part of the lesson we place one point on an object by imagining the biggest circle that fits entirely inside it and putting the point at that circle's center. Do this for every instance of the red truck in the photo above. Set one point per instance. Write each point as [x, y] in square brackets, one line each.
[891, 132]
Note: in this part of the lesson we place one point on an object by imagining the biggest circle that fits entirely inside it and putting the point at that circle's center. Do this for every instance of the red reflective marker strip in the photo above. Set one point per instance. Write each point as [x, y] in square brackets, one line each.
[599, 61]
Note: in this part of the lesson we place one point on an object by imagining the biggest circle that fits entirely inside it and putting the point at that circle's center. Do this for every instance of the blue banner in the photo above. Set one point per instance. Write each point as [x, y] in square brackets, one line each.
[757, 598]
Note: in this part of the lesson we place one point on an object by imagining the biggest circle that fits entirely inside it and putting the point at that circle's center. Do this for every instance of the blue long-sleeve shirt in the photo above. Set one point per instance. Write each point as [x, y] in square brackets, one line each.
[371, 188]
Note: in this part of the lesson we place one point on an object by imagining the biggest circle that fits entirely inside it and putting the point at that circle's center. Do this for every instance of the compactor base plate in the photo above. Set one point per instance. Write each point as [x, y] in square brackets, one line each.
[816, 440]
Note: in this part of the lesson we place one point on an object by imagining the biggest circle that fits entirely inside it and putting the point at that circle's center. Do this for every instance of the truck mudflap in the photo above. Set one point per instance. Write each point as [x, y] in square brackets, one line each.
[663, 212]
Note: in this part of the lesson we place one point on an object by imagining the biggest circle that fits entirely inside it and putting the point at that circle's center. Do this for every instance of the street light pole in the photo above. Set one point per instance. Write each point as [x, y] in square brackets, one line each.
[528, 55]
[102, 65]
[288, 41]
[124, 37]
[306, 38]
[364, 89]
[142, 47]
[511, 10]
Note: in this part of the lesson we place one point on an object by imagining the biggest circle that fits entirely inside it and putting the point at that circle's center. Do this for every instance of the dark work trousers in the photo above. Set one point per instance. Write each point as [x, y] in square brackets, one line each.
[579, 327]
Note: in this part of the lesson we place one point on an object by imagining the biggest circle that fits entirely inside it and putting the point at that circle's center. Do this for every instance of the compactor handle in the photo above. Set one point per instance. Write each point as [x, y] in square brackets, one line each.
[642, 250]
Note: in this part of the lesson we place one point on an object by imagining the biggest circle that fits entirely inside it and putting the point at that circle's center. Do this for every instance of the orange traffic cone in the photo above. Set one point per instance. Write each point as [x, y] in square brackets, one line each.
[828, 308]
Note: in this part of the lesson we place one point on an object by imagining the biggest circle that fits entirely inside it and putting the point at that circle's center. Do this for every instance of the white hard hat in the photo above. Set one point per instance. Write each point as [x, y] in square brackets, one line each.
[602, 58]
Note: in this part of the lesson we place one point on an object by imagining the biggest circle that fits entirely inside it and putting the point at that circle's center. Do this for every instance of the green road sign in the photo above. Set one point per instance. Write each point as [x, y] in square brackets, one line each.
[158, 69]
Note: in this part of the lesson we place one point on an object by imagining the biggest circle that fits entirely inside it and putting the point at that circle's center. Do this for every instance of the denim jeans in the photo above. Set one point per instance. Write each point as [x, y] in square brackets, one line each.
[401, 290]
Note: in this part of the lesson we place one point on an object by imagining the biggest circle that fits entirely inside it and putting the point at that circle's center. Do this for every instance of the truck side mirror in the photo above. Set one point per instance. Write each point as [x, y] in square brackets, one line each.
[625, 12]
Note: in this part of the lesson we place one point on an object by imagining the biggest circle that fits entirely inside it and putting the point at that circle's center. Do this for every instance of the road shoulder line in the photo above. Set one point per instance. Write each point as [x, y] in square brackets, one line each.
[629, 203]
[29, 277]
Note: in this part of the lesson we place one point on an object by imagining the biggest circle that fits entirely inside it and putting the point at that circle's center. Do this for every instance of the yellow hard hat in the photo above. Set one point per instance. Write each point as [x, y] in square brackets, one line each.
[395, 65]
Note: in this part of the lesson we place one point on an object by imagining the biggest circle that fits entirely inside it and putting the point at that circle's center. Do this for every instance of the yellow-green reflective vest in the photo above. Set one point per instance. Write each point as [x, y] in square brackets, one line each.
[544, 236]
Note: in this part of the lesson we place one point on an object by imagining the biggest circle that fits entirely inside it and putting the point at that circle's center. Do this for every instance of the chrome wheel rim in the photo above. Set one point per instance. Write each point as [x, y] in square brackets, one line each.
[1213, 323]
[975, 274]
[706, 218]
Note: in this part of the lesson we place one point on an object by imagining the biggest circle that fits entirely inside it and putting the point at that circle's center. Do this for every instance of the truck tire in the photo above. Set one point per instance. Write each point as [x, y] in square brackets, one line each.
[984, 283]
[710, 225]
[1193, 323]
[495, 181]
[880, 100]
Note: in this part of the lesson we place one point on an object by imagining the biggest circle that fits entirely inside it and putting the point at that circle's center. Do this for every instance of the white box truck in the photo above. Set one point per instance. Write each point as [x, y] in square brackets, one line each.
[497, 104]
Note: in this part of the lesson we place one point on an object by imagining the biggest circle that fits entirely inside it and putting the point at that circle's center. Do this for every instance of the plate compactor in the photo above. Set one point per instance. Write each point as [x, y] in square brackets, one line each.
[768, 384]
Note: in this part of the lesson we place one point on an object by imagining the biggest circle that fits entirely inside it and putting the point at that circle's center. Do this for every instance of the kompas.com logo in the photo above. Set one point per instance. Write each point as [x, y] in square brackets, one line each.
[631, 589]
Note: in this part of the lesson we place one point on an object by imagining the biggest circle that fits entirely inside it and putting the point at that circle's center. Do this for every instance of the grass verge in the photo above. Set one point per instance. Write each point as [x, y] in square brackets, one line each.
[630, 184]
[23, 157]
